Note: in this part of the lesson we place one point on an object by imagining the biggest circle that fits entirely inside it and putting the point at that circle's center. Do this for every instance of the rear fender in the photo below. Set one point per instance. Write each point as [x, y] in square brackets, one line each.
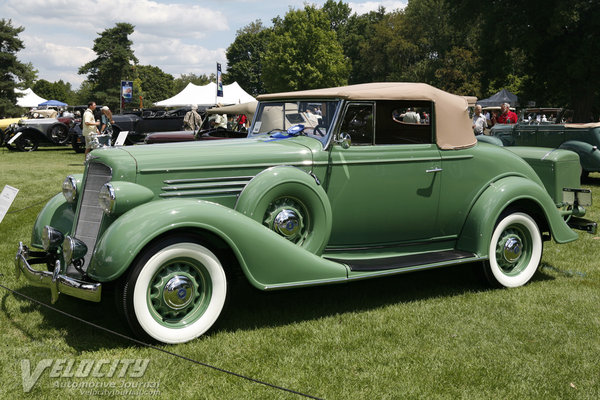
[267, 259]
[500, 195]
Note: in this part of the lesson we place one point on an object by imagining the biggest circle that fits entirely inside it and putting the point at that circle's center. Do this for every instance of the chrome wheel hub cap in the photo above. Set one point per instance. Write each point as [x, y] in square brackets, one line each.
[178, 292]
[513, 248]
[287, 223]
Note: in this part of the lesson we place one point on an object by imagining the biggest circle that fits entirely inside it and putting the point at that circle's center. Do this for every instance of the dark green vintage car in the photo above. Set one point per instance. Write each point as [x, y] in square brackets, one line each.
[331, 185]
[583, 139]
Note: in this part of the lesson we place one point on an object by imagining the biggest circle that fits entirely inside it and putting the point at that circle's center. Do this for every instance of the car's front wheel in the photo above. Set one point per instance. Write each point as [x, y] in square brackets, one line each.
[175, 292]
[27, 142]
[515, 251]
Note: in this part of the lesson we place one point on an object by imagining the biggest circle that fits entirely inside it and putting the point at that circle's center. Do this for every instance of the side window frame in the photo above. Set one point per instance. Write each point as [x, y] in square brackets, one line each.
[347, 107]
[391, 132]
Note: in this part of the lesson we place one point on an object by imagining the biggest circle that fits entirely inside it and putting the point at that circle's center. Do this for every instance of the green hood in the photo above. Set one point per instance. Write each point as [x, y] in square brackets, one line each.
[226, 153]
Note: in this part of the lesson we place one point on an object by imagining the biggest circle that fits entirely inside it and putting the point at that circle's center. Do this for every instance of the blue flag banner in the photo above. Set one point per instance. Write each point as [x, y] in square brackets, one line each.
[127, 91]
[219, 81]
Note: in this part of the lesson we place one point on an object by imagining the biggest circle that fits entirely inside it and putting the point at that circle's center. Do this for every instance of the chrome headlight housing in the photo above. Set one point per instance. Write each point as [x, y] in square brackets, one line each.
[69, 189]
[52, 238]
[107, 198]
[73, 249]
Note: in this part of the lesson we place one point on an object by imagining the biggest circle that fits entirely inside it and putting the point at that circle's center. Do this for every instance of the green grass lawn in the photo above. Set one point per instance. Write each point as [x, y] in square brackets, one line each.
[435, 334]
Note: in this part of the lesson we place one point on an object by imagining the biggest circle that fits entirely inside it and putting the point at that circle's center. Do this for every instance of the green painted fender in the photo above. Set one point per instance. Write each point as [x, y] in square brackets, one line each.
[490, 139]
[289, 188]
[477, 230]
[58, 214]
[266, 258]
[589, 155]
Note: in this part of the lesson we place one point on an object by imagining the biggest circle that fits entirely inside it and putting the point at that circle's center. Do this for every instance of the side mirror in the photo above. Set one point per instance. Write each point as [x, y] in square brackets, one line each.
[344, 140]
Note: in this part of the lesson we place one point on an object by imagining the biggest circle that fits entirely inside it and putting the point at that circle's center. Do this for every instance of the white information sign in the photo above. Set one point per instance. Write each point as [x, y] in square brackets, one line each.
[121, 138]
[6, 198]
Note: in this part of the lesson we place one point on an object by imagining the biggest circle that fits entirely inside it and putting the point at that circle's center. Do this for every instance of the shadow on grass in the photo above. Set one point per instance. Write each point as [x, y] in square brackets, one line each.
[250, 309]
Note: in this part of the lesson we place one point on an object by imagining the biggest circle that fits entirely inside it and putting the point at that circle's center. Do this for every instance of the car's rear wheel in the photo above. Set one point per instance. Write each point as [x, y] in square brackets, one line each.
[59, 134]
[175, 291]
[515, 250]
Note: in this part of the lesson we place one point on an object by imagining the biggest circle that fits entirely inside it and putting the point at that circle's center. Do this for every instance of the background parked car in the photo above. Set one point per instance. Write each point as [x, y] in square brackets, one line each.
[582, 138]
[136, 123]
[43, 128]
[206, 131]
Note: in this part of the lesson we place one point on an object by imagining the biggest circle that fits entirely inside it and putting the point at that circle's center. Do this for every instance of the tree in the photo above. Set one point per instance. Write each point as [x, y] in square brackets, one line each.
[303, 53]
[244, 55]
[114, 62]
[154, 84]
[356, 36]
[12, 71]
[180, 83]
[60, 90]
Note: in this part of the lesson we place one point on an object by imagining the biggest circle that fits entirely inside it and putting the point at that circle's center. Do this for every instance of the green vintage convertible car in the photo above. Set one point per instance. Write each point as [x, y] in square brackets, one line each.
[582, 138]
[330, 186]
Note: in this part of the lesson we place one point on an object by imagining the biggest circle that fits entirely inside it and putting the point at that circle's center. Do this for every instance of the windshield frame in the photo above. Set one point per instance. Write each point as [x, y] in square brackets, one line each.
[337, 103]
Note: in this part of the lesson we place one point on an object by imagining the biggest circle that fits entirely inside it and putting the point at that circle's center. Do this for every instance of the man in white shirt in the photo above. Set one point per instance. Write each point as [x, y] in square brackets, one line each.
[89, 127]
[479, 121]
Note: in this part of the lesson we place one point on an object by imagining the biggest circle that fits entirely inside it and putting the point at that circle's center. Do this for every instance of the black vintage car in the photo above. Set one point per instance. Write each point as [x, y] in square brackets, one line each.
[207, 131]
[136, 123]
[41, 127]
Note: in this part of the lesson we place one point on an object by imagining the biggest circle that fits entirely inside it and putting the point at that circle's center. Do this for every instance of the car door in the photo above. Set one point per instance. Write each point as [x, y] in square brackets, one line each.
[385, 187]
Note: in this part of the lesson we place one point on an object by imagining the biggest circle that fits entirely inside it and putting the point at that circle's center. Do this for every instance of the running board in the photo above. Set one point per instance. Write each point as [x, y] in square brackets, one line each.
[412, 260]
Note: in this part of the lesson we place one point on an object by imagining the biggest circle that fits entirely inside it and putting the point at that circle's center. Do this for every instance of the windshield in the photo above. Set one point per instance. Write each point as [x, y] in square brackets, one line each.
[313, 118]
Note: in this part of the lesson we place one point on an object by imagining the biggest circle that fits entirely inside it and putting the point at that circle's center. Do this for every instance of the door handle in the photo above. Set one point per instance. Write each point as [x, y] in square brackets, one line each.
[436, 169]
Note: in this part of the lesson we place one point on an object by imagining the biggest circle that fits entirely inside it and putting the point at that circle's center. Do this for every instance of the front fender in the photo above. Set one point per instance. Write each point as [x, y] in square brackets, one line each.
[477, 230]
[58, 214]
[267, 259]
[589, 155]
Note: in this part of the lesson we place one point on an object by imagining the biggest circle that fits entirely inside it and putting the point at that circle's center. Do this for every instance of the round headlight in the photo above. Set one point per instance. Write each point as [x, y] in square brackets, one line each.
[69, 189]
[51, 238]
[73, 249]
[106, 198]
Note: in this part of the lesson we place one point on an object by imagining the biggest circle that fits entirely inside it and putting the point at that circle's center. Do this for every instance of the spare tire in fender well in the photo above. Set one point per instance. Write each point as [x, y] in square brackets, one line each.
[289, 191]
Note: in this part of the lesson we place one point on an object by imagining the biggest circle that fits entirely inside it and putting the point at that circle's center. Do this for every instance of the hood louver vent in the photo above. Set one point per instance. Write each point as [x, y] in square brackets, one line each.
[205, 186]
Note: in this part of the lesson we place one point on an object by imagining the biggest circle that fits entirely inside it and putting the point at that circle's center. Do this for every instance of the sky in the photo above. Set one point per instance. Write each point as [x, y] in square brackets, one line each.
[178, 36]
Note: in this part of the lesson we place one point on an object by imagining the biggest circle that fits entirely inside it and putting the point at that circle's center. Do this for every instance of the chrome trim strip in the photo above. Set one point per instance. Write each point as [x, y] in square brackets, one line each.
[195, 180]
[55, 281]
[306, 163]
[206, 185]
[202, 193]
[440, 239]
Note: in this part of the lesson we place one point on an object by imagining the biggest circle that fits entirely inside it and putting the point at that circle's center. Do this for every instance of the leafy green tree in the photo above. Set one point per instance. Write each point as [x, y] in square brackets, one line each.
[114, 62]
[12, 71]
[244, 64]
[154, 84]
[60, 90]
[303, 53]
[338, 14]
[180, 83]
[28, 77]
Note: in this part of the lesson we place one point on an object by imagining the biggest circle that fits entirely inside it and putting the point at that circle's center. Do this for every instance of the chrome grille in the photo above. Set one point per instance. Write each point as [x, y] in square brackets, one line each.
[90, 214]
[205, 187]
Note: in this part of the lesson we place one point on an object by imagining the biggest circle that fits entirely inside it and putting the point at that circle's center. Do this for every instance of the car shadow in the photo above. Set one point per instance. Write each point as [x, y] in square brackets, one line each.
[249, 308]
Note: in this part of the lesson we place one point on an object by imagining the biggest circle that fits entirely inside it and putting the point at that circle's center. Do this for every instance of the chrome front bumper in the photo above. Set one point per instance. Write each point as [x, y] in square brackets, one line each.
[55, 281]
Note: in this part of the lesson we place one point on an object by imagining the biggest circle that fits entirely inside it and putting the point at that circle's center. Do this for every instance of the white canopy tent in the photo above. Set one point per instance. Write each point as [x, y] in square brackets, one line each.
[207, 96]
[29, 99]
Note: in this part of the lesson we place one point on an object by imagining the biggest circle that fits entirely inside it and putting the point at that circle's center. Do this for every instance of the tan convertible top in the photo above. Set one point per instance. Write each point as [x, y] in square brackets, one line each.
[453, 125]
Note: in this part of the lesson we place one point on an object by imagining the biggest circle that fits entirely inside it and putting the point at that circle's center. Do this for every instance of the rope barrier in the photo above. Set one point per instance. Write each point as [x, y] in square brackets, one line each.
[14, 292]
